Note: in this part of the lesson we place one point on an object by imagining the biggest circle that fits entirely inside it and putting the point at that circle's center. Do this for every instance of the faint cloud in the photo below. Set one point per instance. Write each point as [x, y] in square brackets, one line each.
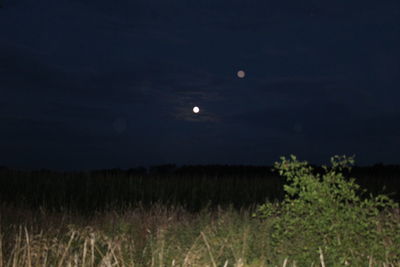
[186, 114]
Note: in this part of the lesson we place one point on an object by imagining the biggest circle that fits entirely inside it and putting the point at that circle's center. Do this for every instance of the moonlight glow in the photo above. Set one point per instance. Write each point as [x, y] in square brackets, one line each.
[196, 109]
[241, 74]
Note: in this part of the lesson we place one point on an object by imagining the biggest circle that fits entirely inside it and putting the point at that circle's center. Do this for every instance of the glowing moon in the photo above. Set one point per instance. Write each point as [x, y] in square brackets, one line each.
[196, 109]
[241, 74]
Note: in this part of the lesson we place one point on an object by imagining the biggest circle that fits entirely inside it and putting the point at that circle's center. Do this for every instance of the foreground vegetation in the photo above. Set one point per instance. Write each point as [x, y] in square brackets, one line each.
[324, 219]
[162, 236]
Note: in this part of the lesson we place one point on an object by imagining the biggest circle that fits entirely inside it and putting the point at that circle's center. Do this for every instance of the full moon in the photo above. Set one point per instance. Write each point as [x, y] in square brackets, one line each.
[241, 74]
[196, 109]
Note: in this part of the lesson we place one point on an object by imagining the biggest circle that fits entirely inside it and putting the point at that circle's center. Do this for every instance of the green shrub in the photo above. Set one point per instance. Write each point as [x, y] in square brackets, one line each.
[327, 212]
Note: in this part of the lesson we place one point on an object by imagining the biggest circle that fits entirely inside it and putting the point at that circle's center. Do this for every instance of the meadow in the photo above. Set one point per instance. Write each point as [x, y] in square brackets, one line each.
[188, 216]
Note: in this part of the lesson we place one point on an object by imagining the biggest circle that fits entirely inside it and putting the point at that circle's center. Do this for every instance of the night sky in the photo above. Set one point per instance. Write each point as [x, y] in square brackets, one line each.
[94, 84]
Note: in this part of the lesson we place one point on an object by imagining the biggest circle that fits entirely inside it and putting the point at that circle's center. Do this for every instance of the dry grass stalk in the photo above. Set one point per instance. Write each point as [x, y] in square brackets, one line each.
[66, 249]
[285, 262]
[28, 248]
[92, 240]
[209, 249]
[84, 252]
[187, 260]
[321, 257]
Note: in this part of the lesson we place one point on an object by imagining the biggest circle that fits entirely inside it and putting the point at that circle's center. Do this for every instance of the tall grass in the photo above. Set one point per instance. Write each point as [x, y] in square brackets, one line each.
[159, 236]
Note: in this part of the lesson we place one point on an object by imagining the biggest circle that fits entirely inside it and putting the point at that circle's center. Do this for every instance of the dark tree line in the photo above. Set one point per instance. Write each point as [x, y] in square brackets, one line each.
[193, 187]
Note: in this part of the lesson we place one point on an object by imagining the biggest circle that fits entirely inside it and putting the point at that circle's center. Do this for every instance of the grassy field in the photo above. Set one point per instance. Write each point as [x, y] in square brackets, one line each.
[159, 236]
[189, 217]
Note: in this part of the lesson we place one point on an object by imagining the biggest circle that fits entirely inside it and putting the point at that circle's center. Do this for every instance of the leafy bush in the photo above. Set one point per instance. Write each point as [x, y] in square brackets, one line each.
[328, 213]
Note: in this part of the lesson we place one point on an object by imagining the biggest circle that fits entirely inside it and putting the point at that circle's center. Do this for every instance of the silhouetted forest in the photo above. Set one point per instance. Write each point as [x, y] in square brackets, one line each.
[194, 187]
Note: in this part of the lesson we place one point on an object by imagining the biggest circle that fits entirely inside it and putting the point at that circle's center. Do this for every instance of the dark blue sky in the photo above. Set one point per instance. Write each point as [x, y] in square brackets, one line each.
[102, 84]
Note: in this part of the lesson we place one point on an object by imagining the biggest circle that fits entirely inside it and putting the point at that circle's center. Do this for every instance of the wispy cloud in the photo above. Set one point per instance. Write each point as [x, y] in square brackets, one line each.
[187, 114]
